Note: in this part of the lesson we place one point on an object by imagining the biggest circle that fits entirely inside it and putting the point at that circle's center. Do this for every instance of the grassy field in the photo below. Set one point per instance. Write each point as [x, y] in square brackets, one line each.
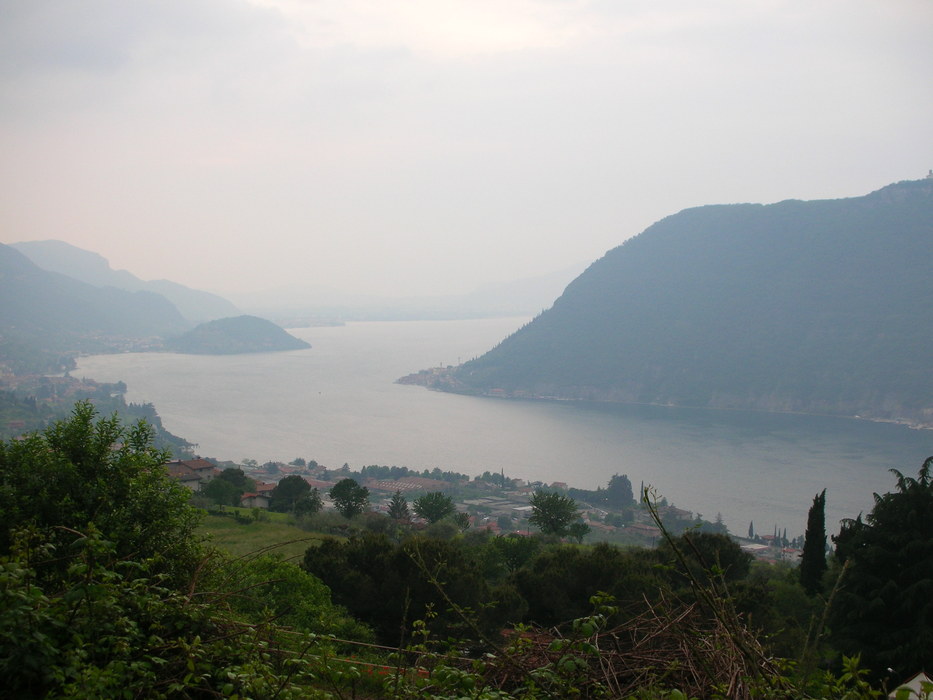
[274, 535]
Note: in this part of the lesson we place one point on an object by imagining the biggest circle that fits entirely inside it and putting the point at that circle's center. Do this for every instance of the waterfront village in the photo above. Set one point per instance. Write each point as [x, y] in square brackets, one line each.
[493, 502]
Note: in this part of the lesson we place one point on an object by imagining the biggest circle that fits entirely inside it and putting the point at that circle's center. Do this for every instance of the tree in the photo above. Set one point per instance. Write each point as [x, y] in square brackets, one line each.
[552, 513]
[515, 550]
[311, 503]
[221, 492]
[87, 470]
[619, 492]
[106, 591]
[813, 557]
[884, 605]
[387, 585]
[288, 493]
[398, 507]
[706, 552]
[228, 487]
[434, 506]
[349, 497]
[462, 521]
[238, 478]
[578, 530]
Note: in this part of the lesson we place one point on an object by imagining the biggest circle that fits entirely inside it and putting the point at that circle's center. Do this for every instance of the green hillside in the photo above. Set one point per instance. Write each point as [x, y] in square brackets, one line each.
[820, 306]
[240, 334]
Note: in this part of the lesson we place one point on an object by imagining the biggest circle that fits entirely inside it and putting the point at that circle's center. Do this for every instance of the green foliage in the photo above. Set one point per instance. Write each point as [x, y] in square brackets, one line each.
[434, 506]
[112, 628]
[577, 531]
[294, 495]
[387, 585]
[237, 477]
[552, 513]
[381, 472]
[813, 558]
[95, 604]
[515, 550]
[398, 508]
[85, 471]
[461, 520]
[105, 590]
[884, 607]
[704, 552]
[269, 586]
[616, 496]
[349, 497]
[221, 492]
[558, 583]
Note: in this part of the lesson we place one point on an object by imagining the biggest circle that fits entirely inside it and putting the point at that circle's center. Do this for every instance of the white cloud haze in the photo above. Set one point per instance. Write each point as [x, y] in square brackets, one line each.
[432, 146]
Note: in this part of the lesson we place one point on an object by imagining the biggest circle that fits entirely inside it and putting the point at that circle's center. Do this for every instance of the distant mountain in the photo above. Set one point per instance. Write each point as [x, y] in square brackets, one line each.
[298, 305]
[819, 306]
[92, 268]
[230, 336]
[44, 315]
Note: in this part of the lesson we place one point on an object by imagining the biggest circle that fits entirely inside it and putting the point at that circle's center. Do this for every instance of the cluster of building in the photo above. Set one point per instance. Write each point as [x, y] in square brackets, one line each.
[499, 509]
[197, 473]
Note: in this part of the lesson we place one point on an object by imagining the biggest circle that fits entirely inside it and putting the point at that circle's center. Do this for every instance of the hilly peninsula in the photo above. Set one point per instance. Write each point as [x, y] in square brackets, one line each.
[240, 334]
[799, 306]
[46, 317]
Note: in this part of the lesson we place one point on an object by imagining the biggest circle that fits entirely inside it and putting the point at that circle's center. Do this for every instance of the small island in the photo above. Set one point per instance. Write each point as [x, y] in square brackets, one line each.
[235, 335]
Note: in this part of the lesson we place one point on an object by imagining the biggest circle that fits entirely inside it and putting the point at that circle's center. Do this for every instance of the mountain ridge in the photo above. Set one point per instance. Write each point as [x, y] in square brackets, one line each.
[46, 316]
[820, 306]
[92, 268]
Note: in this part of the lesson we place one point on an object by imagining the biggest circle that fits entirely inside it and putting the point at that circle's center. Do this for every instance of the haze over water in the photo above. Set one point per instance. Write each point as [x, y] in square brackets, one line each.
[338, 402]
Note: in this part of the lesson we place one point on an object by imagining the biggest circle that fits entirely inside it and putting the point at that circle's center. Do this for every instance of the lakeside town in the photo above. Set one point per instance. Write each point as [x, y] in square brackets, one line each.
[491, 501]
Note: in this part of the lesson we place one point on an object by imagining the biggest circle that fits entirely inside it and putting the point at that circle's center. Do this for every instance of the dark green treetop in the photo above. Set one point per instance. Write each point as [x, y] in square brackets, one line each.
[288, 493]
[94, 470]
[398, 507]
[434, 506]
[349, 497]
[552, 513]
[813, 559]
[884, 606]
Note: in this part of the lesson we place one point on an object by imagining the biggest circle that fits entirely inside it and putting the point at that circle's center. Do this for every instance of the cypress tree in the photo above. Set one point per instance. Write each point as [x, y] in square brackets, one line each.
[813, 558]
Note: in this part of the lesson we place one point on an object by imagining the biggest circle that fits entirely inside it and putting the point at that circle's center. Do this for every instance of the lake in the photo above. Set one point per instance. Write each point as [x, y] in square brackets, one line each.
[337, 403]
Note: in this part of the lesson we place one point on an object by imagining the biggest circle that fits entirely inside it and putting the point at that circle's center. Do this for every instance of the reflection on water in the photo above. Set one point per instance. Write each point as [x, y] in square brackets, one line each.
[337, 403]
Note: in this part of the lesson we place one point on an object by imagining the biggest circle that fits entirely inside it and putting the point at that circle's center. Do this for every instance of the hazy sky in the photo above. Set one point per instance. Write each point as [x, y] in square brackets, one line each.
[432, 146]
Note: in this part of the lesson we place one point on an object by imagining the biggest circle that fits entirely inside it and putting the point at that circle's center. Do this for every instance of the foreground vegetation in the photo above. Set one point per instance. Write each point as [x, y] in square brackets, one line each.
[107, 589]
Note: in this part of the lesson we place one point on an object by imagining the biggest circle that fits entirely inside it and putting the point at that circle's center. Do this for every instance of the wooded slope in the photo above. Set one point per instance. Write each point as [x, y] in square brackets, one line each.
[822, 306]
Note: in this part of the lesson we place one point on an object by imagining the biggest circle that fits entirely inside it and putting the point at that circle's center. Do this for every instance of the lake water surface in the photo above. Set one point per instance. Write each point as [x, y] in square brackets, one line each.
[337, 402]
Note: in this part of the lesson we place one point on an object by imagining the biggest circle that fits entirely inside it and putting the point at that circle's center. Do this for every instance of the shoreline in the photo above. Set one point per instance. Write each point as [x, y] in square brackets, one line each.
[441, 379]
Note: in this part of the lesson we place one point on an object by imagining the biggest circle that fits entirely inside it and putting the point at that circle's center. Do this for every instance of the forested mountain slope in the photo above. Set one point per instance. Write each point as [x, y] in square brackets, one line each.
[92, 268]
[44, 313]
[822, 306]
